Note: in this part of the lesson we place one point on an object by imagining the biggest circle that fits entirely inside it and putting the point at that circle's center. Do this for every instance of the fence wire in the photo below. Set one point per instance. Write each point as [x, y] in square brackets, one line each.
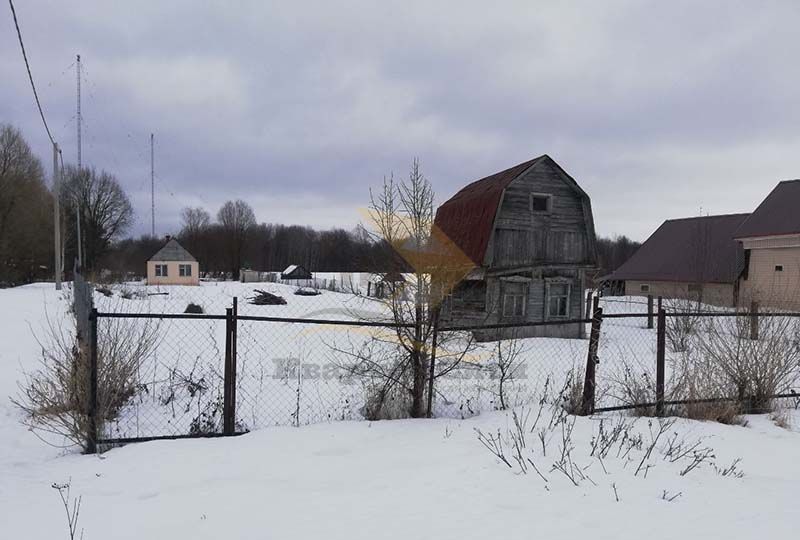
[324, 355]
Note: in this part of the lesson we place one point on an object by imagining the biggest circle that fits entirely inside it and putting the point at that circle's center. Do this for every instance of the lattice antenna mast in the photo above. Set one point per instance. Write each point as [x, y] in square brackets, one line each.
[78, 75]
[152, 191]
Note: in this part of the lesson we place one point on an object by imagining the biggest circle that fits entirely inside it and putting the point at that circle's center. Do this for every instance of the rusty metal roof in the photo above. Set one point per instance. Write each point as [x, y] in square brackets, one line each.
[778, 214]
[692, 250]
[467, 218]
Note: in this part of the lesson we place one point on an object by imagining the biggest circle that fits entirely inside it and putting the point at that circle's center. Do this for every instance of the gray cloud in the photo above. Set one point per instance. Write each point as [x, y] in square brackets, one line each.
[658, 109]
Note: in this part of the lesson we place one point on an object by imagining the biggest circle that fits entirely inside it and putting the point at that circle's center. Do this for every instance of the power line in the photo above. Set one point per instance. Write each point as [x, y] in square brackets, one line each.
[28, 67]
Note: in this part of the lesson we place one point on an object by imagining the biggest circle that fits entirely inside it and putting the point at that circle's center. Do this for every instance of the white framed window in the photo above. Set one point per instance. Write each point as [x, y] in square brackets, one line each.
[515, 299]
[644, 288]
[185, 270]
[558, 294]
[541, 203]
[161, 270]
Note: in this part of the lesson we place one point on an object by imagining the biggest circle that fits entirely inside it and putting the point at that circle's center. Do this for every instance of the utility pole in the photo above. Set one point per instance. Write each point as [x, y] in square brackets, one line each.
[57, 217]
[152, 192]
[79, 241]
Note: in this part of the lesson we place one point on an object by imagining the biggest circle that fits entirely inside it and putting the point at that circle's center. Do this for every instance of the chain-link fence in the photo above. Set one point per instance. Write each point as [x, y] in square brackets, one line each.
[228, 358]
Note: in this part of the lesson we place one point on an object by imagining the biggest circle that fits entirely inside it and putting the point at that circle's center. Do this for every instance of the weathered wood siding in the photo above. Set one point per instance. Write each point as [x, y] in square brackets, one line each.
[523, 237]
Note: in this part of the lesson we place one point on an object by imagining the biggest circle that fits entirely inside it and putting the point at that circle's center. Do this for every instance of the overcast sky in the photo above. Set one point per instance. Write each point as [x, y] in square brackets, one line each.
[658, 109]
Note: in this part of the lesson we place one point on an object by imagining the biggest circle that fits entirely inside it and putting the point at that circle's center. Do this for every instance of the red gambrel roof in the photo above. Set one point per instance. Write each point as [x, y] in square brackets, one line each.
[691, 250]
[467, 218]
[778, 214]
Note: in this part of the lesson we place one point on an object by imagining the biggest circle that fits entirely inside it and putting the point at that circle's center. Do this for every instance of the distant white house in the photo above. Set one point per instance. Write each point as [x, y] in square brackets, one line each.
[173, 265]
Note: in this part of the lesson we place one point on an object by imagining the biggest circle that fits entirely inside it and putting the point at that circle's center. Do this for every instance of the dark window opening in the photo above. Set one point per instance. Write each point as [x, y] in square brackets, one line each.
[644, 288]
[470, 296]
[746, 271]
[540, 203]
[779, 268]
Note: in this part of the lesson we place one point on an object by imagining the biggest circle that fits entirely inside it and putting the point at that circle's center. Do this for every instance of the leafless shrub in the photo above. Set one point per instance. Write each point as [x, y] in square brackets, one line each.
[781, 418]
[508, 364]
[751, 370]
[682, 326]
[571, 394]
[55, 398]
[71, 506]
[636, 388]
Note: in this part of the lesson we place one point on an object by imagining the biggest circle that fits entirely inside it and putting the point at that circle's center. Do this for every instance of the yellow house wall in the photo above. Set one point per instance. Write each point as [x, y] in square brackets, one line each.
[769, 287]
[173, 276]
[718, 294]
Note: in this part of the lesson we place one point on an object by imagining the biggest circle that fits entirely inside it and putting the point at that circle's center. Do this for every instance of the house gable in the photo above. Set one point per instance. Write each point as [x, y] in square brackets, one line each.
[543, 217]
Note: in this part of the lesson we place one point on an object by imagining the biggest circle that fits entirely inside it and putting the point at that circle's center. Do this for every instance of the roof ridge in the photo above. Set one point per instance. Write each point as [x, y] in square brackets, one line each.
[529, 162]
[733, 214]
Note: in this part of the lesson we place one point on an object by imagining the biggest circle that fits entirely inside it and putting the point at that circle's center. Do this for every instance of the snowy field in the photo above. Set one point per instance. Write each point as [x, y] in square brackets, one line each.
[391, 479]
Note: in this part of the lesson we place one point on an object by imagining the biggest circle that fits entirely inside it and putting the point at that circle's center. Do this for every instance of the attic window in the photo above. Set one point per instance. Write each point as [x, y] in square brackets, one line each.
[779, 268]
[540, 202]
[644, 288]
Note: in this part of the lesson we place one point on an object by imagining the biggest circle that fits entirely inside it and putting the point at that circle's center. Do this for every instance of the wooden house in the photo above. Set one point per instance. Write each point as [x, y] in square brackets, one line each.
[528, 233]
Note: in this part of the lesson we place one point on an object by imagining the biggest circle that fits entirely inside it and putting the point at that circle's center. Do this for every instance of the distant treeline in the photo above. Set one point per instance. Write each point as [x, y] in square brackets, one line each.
[273, 247]
[268, 247]
[613, 252]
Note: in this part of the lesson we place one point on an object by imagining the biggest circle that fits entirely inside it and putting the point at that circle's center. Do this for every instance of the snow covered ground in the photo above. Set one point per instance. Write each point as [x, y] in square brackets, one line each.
[398, 479]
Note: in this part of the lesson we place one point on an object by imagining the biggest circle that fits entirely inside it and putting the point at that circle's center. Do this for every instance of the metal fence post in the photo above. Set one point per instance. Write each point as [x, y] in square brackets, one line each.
[661, 343]
[228, 406]
[91, 409]
[754, 320]
[234, 355]
[591, 363]
[649, 311]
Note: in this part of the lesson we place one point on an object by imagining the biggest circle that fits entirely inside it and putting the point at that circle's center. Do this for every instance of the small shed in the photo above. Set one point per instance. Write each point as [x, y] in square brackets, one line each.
[173, 265]
[247, 275]
[382, 285]
[295, 272]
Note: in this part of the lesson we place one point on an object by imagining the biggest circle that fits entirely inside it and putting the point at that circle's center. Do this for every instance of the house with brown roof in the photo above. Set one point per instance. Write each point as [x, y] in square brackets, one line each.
[527, 234]
[692, 258]
[770, 240]
[730, 260]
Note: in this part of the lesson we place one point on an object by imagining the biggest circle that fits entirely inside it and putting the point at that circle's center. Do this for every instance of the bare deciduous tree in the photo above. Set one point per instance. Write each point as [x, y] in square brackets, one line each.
[237, 220]
[25, 210]
[105, 210]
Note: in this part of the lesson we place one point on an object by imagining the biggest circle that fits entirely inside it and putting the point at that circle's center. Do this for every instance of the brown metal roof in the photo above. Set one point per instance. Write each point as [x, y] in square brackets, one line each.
[692, 250]
[467, 218]
[778, 214]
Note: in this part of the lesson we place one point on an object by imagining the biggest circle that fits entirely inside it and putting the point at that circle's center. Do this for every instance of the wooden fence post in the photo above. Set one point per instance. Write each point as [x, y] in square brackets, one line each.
[589, 295]
[649, 311]
[661, 344]
[591, 363]
[91, 409]
[432, 371]
[754, 320]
